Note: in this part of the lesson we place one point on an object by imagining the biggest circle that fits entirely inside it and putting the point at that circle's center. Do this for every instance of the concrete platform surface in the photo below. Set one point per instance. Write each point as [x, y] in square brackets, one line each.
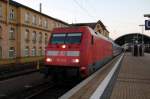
[133, 81]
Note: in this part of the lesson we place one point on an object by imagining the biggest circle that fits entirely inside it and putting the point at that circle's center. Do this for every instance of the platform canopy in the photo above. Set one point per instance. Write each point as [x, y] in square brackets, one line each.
[132, 38]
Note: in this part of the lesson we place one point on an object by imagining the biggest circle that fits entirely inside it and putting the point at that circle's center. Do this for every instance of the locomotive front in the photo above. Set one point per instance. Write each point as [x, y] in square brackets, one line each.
[63, 51]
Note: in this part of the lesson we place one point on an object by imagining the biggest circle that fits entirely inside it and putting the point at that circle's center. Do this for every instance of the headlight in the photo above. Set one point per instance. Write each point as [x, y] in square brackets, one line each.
[63, 46]
[49, 60]
[75, 60]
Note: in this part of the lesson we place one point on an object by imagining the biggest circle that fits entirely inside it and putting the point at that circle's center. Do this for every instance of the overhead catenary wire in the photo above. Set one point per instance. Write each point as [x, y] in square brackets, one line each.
[84, 9]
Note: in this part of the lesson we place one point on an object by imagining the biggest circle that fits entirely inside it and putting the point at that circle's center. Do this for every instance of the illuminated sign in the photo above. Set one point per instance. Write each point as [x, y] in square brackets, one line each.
[147, 24]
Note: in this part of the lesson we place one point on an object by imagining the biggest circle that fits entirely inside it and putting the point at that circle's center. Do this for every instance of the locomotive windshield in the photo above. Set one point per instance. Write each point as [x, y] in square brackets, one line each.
[58, 38]
[66, 38]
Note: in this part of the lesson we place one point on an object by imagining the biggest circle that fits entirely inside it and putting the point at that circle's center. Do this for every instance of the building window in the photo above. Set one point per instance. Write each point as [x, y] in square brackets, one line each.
[98, 26]
[40, 37]
[27, 17]
[34, 19]
[46, 38]
[45, 23]
[12, 52]
[55, 24]
[40, 21]
[11, 14]
[58, 25]
[1, 52]
[33, 51]
[34, 37]
[1, 11]
[0, 32]
[12, 34]
[40, 51]
[26, 51]
[27, 35]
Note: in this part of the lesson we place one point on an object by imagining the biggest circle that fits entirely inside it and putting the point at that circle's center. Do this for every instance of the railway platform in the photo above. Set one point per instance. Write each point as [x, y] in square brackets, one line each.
[133, 81]
[129, 80]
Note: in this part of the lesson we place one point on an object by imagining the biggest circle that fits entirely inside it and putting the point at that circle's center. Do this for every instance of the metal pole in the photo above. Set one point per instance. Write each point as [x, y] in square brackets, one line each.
[142, 34]
[148, 16]
[142, 39]
[142, 31]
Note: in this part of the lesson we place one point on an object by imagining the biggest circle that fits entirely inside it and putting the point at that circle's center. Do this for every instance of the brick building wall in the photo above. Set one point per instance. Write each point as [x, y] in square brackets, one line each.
[24, 32]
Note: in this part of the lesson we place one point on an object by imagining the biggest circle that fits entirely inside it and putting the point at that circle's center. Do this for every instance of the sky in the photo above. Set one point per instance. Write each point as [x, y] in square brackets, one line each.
[119, 16]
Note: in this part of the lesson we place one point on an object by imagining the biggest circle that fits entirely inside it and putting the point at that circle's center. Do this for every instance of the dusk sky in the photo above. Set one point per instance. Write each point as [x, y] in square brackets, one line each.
[119, 16]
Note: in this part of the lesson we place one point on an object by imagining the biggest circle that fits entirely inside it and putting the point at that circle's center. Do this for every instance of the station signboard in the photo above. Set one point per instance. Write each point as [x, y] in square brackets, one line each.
[147, 24]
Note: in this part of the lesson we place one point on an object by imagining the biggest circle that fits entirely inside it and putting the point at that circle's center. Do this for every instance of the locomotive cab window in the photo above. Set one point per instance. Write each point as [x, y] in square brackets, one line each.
[58, 38]
[66, 38]
[73, 38]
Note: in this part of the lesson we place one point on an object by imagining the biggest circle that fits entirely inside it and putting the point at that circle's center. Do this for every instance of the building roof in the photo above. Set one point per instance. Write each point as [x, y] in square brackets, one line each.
[92, 24]
[21, 5]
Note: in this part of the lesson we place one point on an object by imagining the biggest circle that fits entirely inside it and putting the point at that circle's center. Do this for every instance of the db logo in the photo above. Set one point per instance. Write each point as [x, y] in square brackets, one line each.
[62, 53]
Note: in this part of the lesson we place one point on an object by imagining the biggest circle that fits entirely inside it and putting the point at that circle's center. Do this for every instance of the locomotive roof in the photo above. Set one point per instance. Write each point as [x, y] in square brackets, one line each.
[91, 30]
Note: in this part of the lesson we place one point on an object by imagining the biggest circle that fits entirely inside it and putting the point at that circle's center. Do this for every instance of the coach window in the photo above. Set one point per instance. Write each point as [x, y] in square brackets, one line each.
[92, 40]
[0, 52]
[12, 52]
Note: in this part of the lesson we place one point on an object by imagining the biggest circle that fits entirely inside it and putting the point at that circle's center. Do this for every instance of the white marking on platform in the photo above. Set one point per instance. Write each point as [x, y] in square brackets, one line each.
[101, 88]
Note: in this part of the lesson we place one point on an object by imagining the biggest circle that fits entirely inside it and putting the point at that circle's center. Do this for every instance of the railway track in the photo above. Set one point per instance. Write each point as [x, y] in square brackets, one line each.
[44, 90]
[57, 90]
[4, 76]
[32, 91]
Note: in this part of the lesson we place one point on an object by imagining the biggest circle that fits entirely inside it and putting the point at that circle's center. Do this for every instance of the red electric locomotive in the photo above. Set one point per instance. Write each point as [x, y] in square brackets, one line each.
[77, 50]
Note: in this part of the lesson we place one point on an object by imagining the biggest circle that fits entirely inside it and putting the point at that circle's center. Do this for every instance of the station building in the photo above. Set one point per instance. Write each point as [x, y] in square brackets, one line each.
[96, 26]
[24, 32]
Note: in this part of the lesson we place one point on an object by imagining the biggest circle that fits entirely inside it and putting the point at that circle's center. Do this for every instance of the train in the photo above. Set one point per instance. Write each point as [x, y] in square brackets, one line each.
[78, 51]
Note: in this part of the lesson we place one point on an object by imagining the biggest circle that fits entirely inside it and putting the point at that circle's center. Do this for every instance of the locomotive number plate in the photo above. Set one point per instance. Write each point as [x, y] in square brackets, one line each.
[61, 60]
